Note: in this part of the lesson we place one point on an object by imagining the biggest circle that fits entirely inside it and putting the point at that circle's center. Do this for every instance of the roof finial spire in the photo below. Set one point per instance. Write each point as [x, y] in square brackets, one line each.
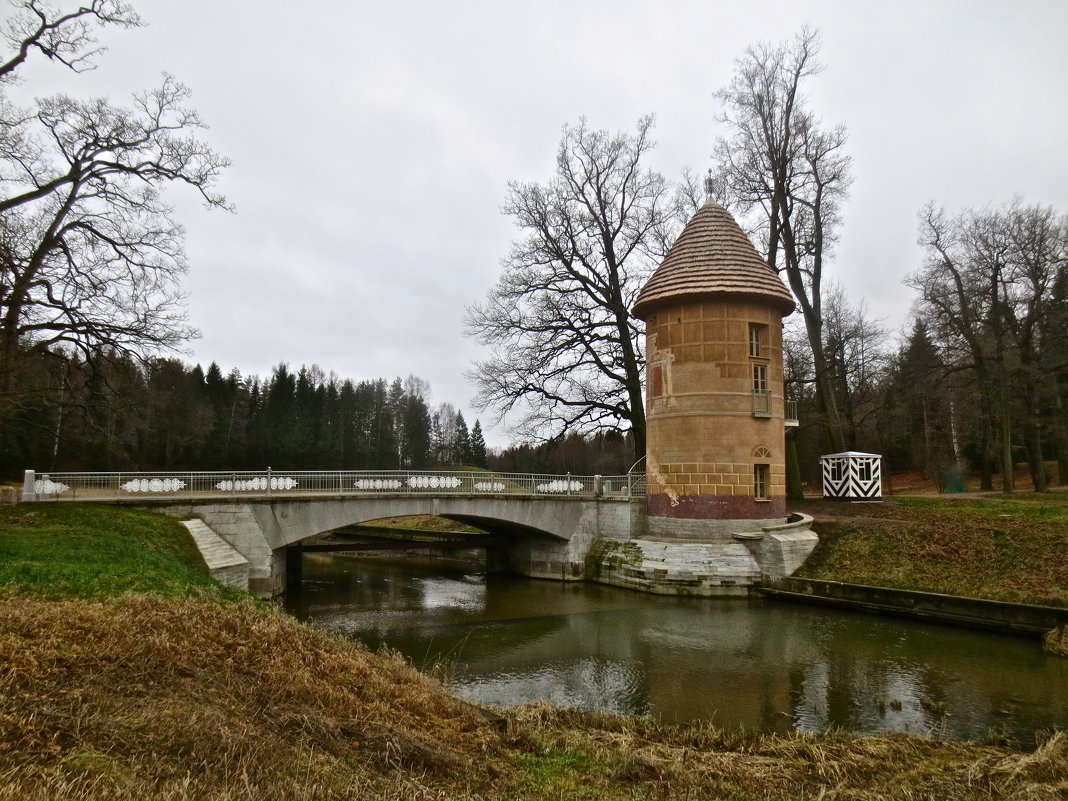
[709, 185]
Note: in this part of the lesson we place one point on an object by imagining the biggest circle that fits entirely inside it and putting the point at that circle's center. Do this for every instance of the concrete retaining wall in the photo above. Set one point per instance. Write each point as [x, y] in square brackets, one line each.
[782, 548]
[971, 612]
[716, 567]
[674, 568]
[225, 564]
[685, 529]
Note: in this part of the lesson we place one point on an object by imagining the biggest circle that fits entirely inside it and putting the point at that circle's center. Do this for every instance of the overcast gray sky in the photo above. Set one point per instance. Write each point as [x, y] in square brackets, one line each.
[372, 144]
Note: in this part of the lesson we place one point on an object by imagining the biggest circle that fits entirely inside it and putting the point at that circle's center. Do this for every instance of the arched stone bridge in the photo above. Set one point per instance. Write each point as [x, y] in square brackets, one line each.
[547, 522]
[248, 524]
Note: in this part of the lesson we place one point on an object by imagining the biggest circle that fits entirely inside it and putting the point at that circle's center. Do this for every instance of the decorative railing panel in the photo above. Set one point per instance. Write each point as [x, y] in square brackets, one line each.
[293, 483]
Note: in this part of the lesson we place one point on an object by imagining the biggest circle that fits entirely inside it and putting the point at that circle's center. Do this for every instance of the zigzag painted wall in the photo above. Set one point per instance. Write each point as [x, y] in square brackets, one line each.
[852, 476]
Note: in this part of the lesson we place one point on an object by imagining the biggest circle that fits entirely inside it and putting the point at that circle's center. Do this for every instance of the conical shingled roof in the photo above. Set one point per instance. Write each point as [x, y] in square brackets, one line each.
[711, 258]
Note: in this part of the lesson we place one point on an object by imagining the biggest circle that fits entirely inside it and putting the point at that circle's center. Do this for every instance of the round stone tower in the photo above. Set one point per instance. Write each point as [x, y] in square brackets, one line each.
[716, 453]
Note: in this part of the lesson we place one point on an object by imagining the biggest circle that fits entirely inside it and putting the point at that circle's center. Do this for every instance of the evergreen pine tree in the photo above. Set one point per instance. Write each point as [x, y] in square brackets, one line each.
[478, 446]
[462, 448]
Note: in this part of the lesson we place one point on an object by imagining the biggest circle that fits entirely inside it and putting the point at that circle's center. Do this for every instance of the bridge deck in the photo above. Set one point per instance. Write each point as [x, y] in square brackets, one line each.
[269, 485]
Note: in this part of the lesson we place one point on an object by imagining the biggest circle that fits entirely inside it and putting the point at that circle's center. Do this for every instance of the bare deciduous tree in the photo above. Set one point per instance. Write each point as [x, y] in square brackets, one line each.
[90, 254]
[565, 347]
[857, 352]
[994, 285]
[66, 38]
[959, 292]
[785, 176]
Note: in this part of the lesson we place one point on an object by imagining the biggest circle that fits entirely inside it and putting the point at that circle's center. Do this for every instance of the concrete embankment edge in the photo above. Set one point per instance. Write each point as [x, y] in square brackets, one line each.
[225, 564]
[970, 612]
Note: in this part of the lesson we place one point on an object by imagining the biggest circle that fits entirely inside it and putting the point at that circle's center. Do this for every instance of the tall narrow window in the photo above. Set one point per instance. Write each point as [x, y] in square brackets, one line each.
[838, 470]
[760, 481]
[761, 396]
[757, 337]
[760, 379]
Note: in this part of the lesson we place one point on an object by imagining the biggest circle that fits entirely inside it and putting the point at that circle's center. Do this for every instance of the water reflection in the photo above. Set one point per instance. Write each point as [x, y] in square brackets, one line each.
[755, 664]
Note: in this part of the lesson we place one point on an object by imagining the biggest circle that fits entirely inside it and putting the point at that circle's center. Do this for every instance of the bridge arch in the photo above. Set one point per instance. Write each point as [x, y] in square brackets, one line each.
[509, 528]
[558, 519]
[546, 537]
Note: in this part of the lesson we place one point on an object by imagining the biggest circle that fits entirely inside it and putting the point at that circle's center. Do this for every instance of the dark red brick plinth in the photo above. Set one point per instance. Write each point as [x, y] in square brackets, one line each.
[716, 507]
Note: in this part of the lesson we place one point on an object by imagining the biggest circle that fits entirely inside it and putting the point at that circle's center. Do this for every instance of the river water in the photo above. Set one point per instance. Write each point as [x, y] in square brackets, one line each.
[756, 664]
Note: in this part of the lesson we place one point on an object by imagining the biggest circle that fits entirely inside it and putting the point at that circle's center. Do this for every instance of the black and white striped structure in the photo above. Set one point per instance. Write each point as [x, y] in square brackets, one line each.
[852, 476]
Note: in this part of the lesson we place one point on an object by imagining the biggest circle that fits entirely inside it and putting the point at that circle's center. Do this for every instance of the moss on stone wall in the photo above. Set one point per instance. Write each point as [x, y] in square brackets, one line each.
[612, 554]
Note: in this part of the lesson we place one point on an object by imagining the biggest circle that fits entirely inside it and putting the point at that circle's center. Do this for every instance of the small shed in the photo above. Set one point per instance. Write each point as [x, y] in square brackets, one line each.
[852, 476]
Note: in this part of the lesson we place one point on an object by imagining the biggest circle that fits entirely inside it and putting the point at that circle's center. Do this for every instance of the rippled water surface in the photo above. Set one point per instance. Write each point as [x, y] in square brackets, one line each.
[757, 664]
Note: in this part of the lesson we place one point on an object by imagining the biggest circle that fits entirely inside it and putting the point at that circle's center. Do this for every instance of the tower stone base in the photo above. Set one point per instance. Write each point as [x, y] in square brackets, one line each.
[723, 565]
[682, 528]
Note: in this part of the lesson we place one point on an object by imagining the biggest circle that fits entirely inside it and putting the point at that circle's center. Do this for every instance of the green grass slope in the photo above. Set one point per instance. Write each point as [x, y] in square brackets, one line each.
[80, 550]
[991, 547]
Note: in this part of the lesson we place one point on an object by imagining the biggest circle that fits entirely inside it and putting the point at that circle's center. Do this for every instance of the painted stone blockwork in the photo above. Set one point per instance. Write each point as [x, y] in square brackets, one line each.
[707, 426]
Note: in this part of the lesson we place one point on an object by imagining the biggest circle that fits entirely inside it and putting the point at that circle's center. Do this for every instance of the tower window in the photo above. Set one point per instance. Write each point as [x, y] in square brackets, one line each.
[761, 396]
[760, 481]
[758, 340]
[760, 379]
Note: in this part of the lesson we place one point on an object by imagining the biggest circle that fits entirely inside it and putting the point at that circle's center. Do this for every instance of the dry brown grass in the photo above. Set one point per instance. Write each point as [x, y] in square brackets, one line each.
[701, 762]
[145, 698]
[142, 698]
[1056, 641]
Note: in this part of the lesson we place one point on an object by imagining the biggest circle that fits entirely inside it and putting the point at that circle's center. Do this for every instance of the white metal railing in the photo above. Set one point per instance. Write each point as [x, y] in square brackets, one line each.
[292, 483]
[761, 402]
[636, 479]
[791, 411]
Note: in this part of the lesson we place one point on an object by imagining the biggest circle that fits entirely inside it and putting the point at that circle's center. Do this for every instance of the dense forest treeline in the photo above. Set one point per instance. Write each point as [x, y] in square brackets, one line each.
[120, 414]
[604, 453]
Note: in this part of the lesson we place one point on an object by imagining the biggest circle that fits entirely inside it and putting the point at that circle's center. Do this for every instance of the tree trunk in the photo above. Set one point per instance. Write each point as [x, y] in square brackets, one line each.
[1033, 436]
[633, 369]
[825, 401]
[1034, 456]
[1060, 431]
[794, 491]
[1008, 483]
[986, 434]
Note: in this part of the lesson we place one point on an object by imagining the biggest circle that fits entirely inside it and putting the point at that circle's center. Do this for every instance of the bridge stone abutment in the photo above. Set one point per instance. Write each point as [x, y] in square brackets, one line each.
[253, 532]
[547, 537]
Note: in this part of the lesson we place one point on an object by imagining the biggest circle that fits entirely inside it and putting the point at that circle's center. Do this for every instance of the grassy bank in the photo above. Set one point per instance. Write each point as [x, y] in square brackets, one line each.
[81, 550]
[142, 697]
[991, 547]
[111, 690]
